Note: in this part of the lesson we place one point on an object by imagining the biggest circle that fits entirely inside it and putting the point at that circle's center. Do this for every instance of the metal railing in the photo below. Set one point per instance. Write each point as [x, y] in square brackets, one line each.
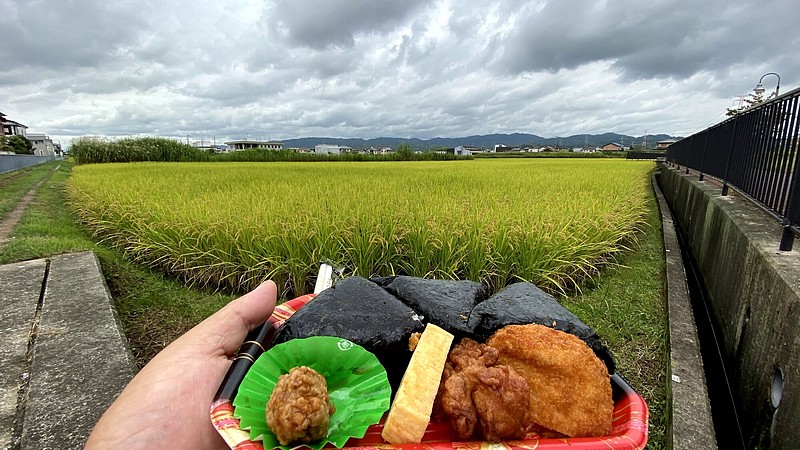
[756, 152]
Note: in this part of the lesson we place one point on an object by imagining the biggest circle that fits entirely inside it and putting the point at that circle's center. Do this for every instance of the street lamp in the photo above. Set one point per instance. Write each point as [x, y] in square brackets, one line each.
[759, 89]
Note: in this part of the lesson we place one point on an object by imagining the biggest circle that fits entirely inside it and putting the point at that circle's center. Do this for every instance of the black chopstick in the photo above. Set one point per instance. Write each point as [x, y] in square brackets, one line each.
[253, 346]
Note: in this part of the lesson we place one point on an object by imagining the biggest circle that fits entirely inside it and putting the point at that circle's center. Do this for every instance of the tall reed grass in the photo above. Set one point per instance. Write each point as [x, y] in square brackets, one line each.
[140, 149]
[552, 222]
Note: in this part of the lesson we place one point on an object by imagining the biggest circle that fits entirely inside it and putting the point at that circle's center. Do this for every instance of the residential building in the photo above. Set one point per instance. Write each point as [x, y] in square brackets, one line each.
[613, 146]
[234, 146]
[327, 149]
[42, 144]
[500, 148]
[665, 143]
[11, 127]
[461, 151]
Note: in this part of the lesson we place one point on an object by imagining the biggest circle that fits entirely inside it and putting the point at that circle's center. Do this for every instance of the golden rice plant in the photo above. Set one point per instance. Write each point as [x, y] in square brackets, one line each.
[232, 225]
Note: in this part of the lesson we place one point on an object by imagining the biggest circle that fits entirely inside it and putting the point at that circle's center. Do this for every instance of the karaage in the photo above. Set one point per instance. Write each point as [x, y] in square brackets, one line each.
[299, 409]
[476, 392]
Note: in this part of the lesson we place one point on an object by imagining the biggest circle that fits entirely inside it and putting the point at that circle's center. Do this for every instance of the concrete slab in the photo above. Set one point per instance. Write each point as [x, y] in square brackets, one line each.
[81, 359]
[20, 287]
[692, 426]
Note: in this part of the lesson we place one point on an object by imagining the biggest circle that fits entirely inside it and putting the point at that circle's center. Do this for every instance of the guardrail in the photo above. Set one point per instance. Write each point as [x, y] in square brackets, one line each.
[14, 162]
[756, 152]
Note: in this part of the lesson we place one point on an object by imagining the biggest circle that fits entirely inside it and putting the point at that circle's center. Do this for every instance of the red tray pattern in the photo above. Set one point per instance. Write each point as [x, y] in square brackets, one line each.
[629, 426]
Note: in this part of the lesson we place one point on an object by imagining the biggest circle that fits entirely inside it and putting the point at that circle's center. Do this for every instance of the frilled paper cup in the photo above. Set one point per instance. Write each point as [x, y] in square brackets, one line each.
[357, 385]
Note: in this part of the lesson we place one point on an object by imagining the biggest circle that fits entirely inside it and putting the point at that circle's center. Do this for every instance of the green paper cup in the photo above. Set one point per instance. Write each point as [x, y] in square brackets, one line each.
[357, 386]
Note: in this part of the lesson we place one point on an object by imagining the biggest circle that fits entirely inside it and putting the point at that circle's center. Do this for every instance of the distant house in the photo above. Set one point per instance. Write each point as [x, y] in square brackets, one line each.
[42, 144]
[234, 146]
[458, 151]
[500, 148]
[12, 128]
[613, 146]
[327, 149]
[665, 143]
[376, 151]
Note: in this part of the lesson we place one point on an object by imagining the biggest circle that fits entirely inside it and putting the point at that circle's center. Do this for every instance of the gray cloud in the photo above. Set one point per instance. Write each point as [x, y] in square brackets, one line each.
[324, 23]
[67, 34]
[659, 39]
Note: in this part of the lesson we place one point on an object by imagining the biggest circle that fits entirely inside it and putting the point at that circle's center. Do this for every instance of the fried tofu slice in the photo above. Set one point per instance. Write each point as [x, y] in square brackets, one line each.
[570, 389]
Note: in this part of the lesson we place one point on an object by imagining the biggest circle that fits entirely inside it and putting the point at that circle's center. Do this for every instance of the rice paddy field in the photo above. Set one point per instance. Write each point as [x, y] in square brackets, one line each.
[232, 225]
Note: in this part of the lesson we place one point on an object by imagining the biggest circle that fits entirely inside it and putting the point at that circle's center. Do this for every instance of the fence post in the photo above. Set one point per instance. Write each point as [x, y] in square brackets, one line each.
[730, 155]
[793, 206]
[787, 238]
[689, 153]
[703, 158]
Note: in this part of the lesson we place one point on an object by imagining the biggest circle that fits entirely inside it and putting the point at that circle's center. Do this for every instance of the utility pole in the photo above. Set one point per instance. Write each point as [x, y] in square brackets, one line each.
[644, 141]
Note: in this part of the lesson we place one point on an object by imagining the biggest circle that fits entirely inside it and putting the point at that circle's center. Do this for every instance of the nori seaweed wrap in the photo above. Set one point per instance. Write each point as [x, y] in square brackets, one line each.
[446, 303]
[362, 312]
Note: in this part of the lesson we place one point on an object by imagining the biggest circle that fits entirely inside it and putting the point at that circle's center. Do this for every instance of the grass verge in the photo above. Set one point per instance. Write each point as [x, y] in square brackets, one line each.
[625, 304]
[14, 185]
[48, 228]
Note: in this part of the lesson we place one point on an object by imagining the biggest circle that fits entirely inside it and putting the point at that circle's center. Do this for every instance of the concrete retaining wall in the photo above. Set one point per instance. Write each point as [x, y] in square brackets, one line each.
[14, 162]
[754, 291]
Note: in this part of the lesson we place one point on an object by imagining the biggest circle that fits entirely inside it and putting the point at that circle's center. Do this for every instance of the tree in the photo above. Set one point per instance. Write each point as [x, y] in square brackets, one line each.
[405, 152]
[753, 99]
[17, 144]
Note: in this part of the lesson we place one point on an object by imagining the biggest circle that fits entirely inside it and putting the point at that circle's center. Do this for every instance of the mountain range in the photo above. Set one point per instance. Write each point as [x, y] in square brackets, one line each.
[485, 141]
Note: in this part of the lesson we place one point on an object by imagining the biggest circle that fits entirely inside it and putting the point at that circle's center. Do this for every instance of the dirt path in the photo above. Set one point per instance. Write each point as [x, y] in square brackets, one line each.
[10, 221]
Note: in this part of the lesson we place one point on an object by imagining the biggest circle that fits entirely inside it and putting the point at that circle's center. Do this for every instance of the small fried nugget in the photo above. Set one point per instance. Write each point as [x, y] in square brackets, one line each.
[570, 389]
[299, 409]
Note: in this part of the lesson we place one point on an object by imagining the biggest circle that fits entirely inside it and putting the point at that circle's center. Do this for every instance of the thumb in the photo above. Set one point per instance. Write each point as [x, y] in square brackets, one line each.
[232, 323]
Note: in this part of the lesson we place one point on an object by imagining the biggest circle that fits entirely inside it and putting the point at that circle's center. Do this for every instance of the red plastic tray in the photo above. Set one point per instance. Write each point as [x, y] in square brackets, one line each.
[629, 426]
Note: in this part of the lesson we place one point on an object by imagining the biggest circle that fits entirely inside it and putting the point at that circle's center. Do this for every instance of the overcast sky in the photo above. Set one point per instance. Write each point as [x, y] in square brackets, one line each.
[400, 68]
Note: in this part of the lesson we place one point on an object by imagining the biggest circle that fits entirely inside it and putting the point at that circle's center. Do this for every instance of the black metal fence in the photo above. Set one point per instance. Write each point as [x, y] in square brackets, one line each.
[756, 152]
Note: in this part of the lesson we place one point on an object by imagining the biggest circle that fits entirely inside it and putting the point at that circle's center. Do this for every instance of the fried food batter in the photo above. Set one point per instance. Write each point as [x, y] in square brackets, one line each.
[570, 389]
[476, 392]
[299, 409]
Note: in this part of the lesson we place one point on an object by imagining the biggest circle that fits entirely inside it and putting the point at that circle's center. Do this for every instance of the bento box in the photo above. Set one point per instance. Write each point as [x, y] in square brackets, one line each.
[629, 425]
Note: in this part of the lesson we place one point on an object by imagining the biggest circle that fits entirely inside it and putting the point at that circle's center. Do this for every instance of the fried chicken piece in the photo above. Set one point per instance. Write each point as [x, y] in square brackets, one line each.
[474, 392]
[456, 403]
[501, 397]
[570, 389]
[469, 353]
[299, 409]
[413, 341]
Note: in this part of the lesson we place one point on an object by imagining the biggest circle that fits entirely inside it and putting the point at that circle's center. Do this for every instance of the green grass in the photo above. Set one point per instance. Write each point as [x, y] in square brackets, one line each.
[14, 185]
[625, 303]
[97, 150]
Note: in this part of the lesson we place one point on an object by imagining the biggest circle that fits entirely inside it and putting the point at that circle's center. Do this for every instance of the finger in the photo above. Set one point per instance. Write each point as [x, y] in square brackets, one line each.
[232, 323]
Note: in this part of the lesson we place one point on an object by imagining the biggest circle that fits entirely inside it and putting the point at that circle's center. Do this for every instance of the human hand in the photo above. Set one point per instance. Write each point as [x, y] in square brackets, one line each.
[166, 405]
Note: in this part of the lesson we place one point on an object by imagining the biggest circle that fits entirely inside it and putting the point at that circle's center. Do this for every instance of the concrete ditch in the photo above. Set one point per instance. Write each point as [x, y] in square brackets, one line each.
[754, 291]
